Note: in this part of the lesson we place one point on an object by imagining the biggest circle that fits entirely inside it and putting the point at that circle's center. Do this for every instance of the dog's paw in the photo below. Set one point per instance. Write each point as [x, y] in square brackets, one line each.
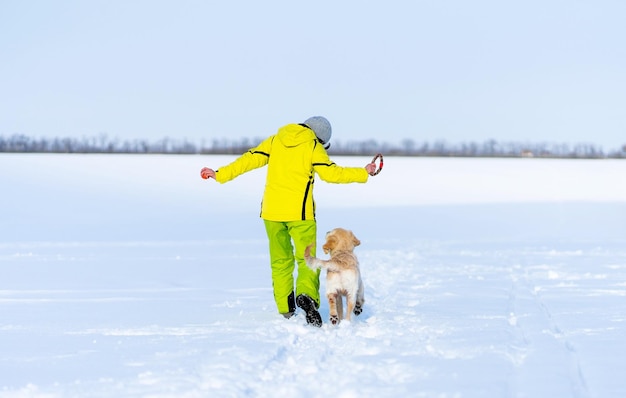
[357, 310]
[334, 319]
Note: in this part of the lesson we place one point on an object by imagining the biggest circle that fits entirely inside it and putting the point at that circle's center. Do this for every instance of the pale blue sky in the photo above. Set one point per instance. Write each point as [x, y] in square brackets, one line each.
[536, 70]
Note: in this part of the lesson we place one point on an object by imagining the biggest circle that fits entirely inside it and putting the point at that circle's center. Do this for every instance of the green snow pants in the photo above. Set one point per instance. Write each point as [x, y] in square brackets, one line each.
[283, 259]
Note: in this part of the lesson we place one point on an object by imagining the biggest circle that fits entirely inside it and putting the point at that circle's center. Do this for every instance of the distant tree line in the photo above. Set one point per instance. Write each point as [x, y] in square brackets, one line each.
[489, 148]
[103, 144]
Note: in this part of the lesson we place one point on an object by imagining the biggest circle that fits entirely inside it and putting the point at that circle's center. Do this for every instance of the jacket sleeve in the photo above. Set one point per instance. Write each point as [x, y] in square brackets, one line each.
[330, 172]
[253, 159]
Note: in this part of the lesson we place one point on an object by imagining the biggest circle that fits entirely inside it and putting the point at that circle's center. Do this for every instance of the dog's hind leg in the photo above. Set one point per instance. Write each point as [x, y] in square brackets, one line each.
[334, 302]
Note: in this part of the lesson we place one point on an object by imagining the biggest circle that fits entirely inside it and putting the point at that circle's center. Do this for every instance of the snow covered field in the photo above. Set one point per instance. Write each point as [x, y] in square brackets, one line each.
[129, 276]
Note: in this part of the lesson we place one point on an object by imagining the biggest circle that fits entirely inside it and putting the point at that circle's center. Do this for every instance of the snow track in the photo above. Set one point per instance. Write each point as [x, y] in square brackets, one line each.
[535, 332]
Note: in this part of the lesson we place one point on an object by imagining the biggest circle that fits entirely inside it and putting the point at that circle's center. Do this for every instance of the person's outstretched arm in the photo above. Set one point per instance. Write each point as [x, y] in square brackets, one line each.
[329, 171]
[252, 159]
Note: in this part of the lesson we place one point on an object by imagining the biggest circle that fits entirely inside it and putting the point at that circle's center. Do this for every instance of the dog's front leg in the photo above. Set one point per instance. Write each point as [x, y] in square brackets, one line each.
[340, 306]
[350, 305]
[333, 300]
[360, 298]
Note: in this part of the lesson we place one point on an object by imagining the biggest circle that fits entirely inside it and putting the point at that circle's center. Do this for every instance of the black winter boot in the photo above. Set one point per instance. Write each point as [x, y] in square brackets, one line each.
[291, 302]
[313, 317]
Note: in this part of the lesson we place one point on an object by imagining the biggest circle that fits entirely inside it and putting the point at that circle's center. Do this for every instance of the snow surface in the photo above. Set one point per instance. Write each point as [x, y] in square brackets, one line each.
[129, 276]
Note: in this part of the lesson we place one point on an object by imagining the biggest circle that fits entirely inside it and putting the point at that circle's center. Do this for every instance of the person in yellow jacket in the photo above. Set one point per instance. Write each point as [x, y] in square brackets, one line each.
[293, 156]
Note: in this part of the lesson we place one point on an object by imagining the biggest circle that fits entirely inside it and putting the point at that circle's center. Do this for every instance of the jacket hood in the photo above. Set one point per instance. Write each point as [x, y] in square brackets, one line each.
[294, 134]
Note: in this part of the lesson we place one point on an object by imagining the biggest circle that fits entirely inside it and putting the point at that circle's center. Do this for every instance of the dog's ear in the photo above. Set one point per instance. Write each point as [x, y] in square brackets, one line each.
[355, 241]
[331, 243]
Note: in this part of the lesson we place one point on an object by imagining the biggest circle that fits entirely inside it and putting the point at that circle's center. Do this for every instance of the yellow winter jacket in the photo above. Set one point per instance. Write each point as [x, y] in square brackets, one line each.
[293, 156]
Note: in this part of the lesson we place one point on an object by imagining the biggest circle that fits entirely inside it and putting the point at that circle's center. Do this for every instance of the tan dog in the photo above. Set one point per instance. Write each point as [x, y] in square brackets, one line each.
[343, 277]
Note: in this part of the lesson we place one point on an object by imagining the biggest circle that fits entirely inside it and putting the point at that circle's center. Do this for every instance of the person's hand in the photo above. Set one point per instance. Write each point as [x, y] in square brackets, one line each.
[371, 168]
[207, 173]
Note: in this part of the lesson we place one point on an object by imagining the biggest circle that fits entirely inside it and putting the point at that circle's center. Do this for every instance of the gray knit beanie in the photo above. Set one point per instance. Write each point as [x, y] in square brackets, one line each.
[321, 128]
